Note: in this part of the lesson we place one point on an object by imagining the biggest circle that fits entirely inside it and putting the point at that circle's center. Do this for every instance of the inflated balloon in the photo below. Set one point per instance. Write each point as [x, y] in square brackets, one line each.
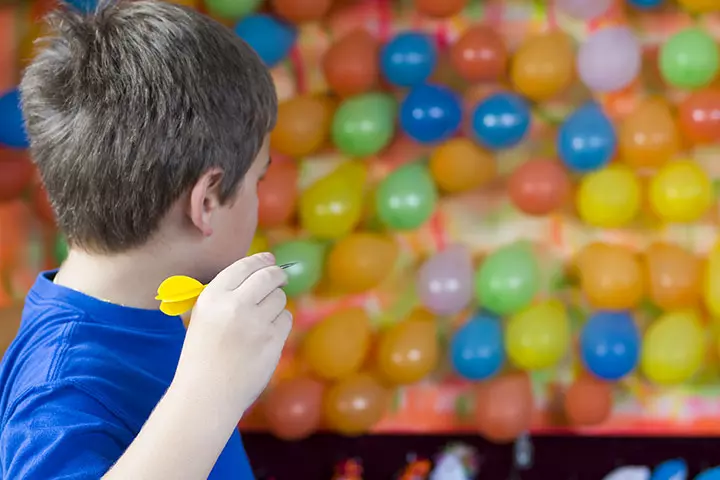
[699, 116]
[83, 5]
[259, 244]
[710, 473]
[711, 281]
[539, 336]
[459, 165]
[609, 59]
[277, 194]
[543, 66]
[338, 345]
[504, 406]
[293, 408]
[41, 205]
[351, 65]
[610, 276]
[681, 192]
[433, 8]
[633, 472]
[674, 276]
[673, 348]
[303, 126]
[430, 113]
[699, 6]
[508, 279]
[610, 197]
[308, 257]
[588, 402]
[690, 59]
[539, 187]
[12, 125]
[361, 261]
[671, 470]
[444, 282]
[477, 350]
[584, 9]
[408, 59]
[480, 54]
[363, 125]
[16, 173]
[501, 120]
[406, 198]
[60, 249]
[646, 3]
[355, 404]
[649, 136]
[587, 139]
[408, 351]
[300, 11]
[610, 344]
[232, 9]
[271, 39]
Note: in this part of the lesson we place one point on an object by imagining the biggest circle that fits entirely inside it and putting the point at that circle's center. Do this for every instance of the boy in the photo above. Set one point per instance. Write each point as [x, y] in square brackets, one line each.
[149, 125]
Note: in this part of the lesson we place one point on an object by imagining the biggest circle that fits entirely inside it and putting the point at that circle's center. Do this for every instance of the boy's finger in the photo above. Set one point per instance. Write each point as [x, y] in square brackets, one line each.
[236, 274]
[264, 282]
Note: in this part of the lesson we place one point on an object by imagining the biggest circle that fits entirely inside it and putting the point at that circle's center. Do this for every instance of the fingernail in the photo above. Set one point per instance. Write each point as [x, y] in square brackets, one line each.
[268, 257]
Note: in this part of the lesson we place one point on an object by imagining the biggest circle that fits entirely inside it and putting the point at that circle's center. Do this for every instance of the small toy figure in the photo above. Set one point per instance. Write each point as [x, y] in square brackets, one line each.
[417, 469]
[456, 462]
[350, 469]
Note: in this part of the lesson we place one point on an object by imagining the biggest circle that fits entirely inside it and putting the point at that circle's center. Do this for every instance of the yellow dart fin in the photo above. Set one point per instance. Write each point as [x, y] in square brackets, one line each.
[177, 308]
[179, 288]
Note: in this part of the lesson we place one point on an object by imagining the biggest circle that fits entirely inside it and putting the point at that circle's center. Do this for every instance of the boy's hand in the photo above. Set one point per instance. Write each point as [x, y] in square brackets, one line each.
[238, 329]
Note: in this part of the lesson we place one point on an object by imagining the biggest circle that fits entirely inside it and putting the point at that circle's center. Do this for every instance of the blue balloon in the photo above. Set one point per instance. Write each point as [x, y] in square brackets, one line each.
[610, 344]
[646, 3]
[671, 470]
[12, 125]
[477, 349]
[501, 120]
[83, 5]
[587, 139]
[710, 474]
[408, 59]
[270, 38]
[430, 113]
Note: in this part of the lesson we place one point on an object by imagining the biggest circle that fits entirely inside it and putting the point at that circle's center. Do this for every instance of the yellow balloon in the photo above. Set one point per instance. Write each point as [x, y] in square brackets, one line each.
[259, 244]
[711, 288]
[673, 348]
[681, 192]
[609, 198]
[539, 336]
[700, 6]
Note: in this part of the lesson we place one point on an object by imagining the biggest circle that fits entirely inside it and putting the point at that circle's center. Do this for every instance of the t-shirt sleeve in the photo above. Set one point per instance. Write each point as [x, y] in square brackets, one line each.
[60, 432]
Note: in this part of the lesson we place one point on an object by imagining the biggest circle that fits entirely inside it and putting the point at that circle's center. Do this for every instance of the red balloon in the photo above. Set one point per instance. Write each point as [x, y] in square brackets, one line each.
[539, 187]
[699, 116]
[293, 409]
[504, 407]
[479, 54]
[588, 401]
[278, 194]
[16, 173]
[41, 205]
[351, 64]
[440, 8]
[300, 11]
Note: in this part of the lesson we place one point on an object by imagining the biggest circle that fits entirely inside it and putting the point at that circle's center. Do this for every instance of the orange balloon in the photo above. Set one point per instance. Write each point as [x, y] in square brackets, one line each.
[440, 9]
[299, 11]
[293, 409]
[649, 137]
[16, 173]
[27, 49]
[459, 165]
[408, 351]
[338, 345]
[354, 405]
[539, 187]
[351, 65]
[610, 276]
[42, 207]
[479, 54]
[588, 402]
[303, 126]
[699, 116]
[277, 194]
[674, 276]
[504, 407]
[361, 261]
[544, 66]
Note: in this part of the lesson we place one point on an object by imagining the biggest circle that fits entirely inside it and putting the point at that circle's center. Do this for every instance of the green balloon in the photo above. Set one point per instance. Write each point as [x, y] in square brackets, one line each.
[508, 279]
[406, 198]
[232, 9]
[308, 257]
[365, 124]
[60, 249]
[690, 59]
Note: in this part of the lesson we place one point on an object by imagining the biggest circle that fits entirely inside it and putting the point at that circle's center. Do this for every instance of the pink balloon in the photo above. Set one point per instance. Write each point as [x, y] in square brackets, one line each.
[610, 59]
[584, 9]
[444, 281]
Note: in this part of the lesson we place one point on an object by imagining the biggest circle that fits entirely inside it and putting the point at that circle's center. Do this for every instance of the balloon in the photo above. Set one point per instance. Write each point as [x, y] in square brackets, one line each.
[629, 473]
[646, 4]
[60, 249]
[433, 8]
[300, 11]
[259, 244]
[430, 113]
[85, 6]
[354, 405]
[588, 402]
[338, 345]
[539, 187]
[277, 194]
[16, 173]
[649, 137]
[699, 6]
[303, 126]
[610, 197]
[508, 279]
[671, 470]
[408, 59]
[681, 192]
[12, 125]
[690, 59]
[308, 258]
[610, 344]
[361, 261]
[271, 39]
[408, 351]
[41, 206]
[609, 59]
[458, 165]
[584, 9]
[711, 281]
[406, 198]
[699, 116]
[710, 473]
[363, 125]
[444, 282]
[293, 408]
[501, 120]
[350, 65]
[610, 276]
[332, 207]
[674, 276]
[539, 336]
[673, 348]
[543, 66]
[504, 406]
[232, 9]
[587, 139]
[479, 55]
[477, 349]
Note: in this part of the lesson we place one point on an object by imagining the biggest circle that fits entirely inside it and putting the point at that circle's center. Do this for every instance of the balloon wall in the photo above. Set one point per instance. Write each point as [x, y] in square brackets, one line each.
[503, 214]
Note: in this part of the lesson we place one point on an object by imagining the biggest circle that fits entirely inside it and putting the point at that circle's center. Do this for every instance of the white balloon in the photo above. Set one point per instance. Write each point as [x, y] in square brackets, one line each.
[584, 9]
[629, 473]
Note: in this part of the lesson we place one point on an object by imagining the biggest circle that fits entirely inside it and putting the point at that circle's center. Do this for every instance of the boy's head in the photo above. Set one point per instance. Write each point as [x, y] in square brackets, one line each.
[149, 123]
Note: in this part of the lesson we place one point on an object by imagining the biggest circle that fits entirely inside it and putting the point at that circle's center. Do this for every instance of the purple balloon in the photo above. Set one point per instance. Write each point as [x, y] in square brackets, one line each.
[444, 281]
[610, 59]
[584, 9]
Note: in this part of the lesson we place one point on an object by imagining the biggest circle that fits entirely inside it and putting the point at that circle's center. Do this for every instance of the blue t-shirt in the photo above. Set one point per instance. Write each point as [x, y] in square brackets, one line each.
[80, 380]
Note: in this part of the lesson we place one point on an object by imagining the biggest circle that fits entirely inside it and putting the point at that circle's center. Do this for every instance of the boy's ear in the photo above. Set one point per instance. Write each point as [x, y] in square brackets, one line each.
[205, 200]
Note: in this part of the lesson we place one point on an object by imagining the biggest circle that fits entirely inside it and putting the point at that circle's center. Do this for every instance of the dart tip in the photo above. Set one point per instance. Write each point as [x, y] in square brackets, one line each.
[287, 265]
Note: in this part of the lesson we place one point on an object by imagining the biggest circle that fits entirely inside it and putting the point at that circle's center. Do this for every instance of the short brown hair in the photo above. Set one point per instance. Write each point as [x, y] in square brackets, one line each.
[128, 106]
